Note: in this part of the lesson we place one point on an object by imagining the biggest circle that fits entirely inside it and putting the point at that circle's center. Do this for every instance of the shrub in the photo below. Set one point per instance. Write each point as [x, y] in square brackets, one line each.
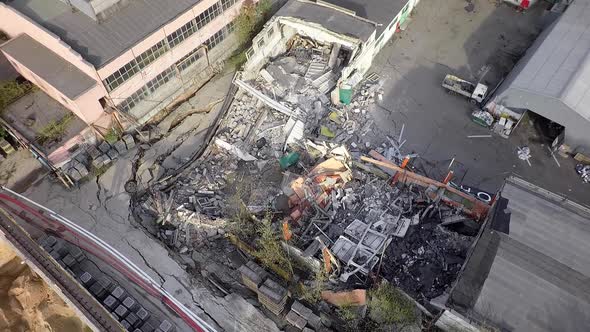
[10, 91]
[54, 130]
[112, 136]
[269, 249]
[251, 20]
[387, 305]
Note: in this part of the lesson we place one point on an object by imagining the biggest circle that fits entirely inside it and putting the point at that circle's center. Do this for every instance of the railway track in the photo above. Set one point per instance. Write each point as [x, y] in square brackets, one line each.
[94, 312]
[71, 232]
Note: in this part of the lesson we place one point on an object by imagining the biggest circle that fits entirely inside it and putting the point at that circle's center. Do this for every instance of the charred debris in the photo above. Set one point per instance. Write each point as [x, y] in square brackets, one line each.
[340, 196]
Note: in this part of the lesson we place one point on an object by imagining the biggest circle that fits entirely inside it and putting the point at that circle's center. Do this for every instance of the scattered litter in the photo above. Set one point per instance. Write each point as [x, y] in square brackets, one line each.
[524, 153]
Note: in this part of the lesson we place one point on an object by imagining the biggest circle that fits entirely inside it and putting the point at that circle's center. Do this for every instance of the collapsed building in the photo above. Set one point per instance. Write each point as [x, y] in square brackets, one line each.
[298, 143]
[357, 29]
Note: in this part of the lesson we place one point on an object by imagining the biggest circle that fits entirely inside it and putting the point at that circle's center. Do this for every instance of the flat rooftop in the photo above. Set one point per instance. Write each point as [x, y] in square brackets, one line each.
[101, 42]
[33, 112]
[381, 12]
[530, 270]
[52, 68]
[330, 18]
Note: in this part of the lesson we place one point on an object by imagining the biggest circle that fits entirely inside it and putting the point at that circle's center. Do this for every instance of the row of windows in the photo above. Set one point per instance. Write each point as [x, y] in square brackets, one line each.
[180, 65]
[173, 39]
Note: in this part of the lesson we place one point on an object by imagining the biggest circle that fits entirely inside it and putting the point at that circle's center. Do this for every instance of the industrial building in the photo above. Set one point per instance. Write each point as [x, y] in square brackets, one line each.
[529, 268]
[132, 56]
[553, 78]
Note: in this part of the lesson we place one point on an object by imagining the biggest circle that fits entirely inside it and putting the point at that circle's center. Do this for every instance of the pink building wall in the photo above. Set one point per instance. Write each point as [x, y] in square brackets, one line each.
[165, 61]
[87, 106]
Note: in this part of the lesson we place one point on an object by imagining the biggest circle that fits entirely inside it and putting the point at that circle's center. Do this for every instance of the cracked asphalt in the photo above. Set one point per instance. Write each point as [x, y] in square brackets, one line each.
[102, 206]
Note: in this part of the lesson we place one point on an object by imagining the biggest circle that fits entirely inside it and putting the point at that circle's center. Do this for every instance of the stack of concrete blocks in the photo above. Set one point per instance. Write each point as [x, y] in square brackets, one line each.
[105, 153]
[300, 316]
[273, 296]
[253, 275]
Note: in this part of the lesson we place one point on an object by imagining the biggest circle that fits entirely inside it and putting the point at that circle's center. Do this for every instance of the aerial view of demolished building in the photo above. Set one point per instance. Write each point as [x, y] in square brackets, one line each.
[322, 204]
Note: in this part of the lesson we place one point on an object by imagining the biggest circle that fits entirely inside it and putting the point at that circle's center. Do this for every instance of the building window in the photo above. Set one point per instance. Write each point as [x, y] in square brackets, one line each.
[182, 33]
[188, 59]
[160, 80]
[121, 75]
[146, 58]
[219, 36]
[149, 56]
[133, 100]
[271, 31]
[260, 43]
[225, 4]
[208, 15]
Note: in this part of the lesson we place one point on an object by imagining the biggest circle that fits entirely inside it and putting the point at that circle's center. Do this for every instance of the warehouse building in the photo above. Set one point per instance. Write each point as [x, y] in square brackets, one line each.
[529, 268]
[94, 56]
[553, 78]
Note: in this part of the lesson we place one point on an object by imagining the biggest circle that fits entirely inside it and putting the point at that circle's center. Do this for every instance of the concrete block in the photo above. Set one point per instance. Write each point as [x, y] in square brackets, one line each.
[98, 162]
[314, 320]
[166, 326]
[86, 279]
[104, 147]
[118, 293]
[300, 309]
[133, 320]
[126, 325]
[142, 314]
[74, 174]
[121, 311]
[113, 154]
[296, 320]
[129, 302]
[69, 260]
[82, 158]
[120, 147]
[81, 169]
[77, 253]
[55, 253]
[129, 141]
[93, 152]
[110, 303]
[98, 290]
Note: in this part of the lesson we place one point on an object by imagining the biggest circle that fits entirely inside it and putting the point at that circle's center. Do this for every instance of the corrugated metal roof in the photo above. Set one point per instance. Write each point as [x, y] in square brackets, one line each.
[533, 273]
[100, 42]
[52, 68]
[560, 65]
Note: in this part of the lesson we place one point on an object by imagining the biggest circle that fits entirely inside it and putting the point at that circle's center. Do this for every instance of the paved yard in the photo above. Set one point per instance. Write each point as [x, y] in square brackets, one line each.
[444, 38]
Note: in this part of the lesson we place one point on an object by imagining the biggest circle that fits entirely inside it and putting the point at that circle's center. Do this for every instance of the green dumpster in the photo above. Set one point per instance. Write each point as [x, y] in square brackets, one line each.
[345, 94]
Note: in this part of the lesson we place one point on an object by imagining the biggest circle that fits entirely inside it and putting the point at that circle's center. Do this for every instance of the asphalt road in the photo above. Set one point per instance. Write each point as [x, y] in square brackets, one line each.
[444, 38]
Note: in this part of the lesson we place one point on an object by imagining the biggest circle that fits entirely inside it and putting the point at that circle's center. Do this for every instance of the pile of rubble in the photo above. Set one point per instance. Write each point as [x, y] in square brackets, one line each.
[300, 155]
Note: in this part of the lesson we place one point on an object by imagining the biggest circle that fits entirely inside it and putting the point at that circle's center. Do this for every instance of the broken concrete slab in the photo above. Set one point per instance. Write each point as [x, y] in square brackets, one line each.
[235, 150]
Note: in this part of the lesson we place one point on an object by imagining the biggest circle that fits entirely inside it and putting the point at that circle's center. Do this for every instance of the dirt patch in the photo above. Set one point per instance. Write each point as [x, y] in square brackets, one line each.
[26, 301]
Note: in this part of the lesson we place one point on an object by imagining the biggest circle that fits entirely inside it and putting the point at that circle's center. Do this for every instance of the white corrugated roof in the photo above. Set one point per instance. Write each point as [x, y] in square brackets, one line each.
[560, 67]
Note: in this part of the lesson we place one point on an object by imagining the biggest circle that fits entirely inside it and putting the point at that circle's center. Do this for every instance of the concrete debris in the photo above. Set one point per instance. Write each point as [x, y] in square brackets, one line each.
[284, 147]
[245, 156]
